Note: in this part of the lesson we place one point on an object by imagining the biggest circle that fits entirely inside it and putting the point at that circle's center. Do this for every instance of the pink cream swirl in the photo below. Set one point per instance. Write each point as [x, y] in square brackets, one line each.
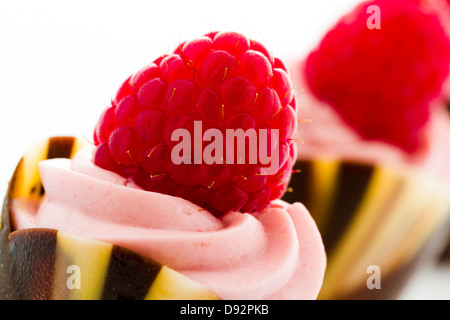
[274, 254]
[327, 135]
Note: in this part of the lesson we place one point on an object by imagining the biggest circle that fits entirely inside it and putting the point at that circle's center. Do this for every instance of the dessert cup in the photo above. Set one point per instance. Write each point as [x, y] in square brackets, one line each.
[40, 261]
[375, 220]
[378, 209]
[374, 159]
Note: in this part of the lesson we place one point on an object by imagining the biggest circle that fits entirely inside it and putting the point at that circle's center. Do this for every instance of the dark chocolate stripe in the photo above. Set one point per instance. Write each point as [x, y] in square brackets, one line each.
[6, 208]
[7, 290]
[58, 147]
[301, 184]
[129, 275]
[31, 260]
[351, 184]
[445, 256]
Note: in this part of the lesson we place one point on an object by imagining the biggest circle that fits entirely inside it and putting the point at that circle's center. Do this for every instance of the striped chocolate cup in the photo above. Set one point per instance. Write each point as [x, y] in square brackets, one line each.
[45, 264]
[375, 221]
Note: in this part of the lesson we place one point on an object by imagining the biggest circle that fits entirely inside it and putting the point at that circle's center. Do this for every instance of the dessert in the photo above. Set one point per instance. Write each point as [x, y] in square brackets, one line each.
[136, 214]
[444, 257]
[442, 7]
[374, 158]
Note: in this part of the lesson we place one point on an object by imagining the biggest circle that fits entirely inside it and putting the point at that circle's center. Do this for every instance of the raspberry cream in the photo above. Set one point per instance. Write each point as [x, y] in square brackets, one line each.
[273, 254]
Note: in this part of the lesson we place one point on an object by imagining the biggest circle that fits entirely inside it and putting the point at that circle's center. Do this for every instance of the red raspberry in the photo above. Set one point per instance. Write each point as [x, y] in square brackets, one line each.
[381, 80]
[224, 80]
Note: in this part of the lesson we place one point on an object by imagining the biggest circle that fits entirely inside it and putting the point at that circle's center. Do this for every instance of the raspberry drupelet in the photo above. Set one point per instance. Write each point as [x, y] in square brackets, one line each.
[222, 80]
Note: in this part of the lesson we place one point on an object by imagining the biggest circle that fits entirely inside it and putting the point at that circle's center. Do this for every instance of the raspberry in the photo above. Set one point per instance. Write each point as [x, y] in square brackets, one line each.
[224, 81]
[380, 81]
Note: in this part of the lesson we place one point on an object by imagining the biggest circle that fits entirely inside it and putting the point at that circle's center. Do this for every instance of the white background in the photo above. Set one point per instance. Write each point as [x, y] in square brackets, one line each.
[62, 61]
